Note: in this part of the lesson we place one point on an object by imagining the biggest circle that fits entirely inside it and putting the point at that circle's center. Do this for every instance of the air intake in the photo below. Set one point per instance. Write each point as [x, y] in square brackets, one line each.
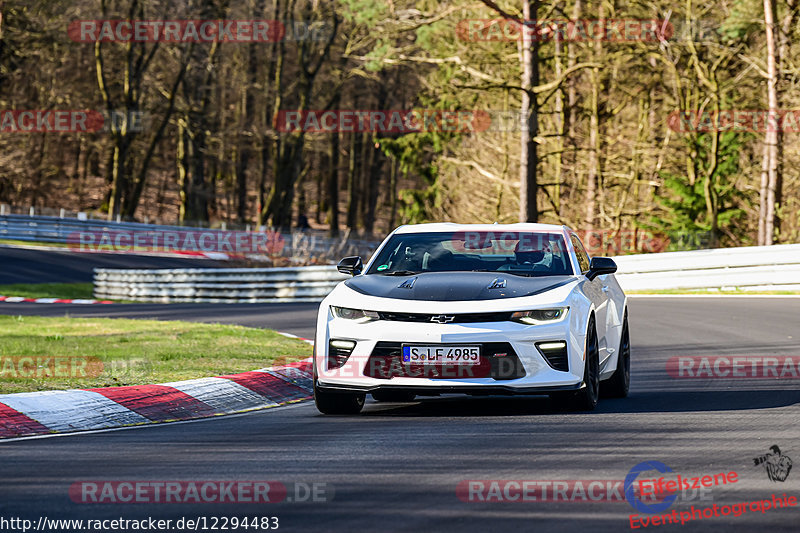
[555, 353]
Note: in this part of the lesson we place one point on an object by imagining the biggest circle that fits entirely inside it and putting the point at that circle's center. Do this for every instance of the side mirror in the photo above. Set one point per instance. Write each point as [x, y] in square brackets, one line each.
[353, 266]
[599, 266]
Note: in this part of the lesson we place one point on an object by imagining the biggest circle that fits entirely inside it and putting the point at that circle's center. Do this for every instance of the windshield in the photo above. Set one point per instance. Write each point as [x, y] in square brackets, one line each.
[516, 253]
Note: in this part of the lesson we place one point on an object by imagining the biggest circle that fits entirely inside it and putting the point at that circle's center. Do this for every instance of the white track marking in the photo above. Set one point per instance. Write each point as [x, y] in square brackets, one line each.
[72, 410]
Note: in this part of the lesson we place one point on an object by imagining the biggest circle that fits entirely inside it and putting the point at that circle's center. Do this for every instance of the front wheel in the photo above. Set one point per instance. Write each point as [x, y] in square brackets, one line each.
[618, 384]
[586, 398]
[338, 403]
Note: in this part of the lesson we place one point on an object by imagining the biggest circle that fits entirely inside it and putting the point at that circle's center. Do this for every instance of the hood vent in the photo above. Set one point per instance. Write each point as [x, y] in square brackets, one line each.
[408, 284]
[498, 283]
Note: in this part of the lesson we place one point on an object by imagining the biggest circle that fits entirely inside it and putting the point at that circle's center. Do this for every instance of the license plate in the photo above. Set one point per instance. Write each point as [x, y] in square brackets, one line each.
[442, 355]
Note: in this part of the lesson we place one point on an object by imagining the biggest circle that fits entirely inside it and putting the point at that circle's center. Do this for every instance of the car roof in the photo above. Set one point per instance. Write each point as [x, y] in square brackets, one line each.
[498, 228]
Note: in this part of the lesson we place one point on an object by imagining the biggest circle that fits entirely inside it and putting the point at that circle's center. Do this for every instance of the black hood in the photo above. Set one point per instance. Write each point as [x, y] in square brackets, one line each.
[453, 286]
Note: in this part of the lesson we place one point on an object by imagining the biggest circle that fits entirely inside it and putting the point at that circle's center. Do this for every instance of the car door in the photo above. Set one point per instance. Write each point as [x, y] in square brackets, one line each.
[597, 291]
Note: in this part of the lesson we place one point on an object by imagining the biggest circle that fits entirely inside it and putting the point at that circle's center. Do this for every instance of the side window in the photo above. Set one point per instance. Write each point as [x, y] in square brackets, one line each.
[580, 251]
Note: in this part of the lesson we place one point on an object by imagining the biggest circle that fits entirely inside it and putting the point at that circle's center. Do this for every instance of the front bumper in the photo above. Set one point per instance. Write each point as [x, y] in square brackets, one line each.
[436, 390]
[538, 376]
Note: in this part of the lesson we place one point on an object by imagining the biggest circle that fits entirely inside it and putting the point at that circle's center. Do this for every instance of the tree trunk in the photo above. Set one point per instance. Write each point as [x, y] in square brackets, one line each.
[353, 190]
[393, 195]
[570, 114]
[332, 183]
[771, 138]
[594, 153]
[559, 120]
[286, 167]
[528, 210]
[182, 160]
[374, 173]
[571, 109]
[138, 186]
[594, 174]
[288, 161]
[245, 138]
[762, 197]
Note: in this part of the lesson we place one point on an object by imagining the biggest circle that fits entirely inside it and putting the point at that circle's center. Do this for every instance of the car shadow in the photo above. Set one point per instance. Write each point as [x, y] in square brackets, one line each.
[684, 401]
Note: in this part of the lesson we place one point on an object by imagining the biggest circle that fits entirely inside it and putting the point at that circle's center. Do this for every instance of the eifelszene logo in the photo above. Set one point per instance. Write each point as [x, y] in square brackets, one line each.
[663, 491]
[630, 488]
[776, 464]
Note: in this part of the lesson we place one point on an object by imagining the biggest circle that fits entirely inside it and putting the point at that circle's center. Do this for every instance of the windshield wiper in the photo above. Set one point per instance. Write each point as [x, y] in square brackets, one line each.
[400, 273]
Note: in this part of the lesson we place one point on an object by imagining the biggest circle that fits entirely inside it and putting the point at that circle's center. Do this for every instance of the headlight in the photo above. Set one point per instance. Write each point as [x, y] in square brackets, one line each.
[354, 314]
[541, 316]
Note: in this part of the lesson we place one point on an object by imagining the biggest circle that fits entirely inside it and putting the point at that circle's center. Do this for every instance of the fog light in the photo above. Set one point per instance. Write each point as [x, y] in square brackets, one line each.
[546, 346]
[555, 353]
[344, 345]
[339, 351]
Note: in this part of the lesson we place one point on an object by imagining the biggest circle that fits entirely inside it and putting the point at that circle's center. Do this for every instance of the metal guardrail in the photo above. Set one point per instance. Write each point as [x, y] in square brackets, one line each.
[299, 245]
[218, 285]
[772, 268]
[754, 268]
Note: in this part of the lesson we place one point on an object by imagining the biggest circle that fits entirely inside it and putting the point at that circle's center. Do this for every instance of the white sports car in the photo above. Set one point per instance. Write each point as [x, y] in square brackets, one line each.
[477, 309]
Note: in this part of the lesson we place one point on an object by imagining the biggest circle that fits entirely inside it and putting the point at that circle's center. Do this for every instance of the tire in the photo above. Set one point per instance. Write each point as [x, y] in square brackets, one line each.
[393, 396]
[618, 384]
[338, 403]
[586, 398]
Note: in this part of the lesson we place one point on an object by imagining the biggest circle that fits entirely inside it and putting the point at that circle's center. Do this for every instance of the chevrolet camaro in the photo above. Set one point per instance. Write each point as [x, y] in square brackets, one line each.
[478, 309]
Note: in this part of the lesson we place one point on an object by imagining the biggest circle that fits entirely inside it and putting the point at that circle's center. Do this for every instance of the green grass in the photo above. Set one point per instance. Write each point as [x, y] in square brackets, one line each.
[48, 290]
[134, 352]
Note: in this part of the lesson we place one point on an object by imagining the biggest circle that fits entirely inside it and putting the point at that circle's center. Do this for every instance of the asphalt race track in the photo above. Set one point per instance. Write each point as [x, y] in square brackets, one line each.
[25, 265]
[396, 467]
[295, 318]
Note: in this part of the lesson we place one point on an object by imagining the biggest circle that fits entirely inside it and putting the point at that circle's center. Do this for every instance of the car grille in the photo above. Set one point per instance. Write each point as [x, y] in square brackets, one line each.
[462, 318]
[499, 361]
